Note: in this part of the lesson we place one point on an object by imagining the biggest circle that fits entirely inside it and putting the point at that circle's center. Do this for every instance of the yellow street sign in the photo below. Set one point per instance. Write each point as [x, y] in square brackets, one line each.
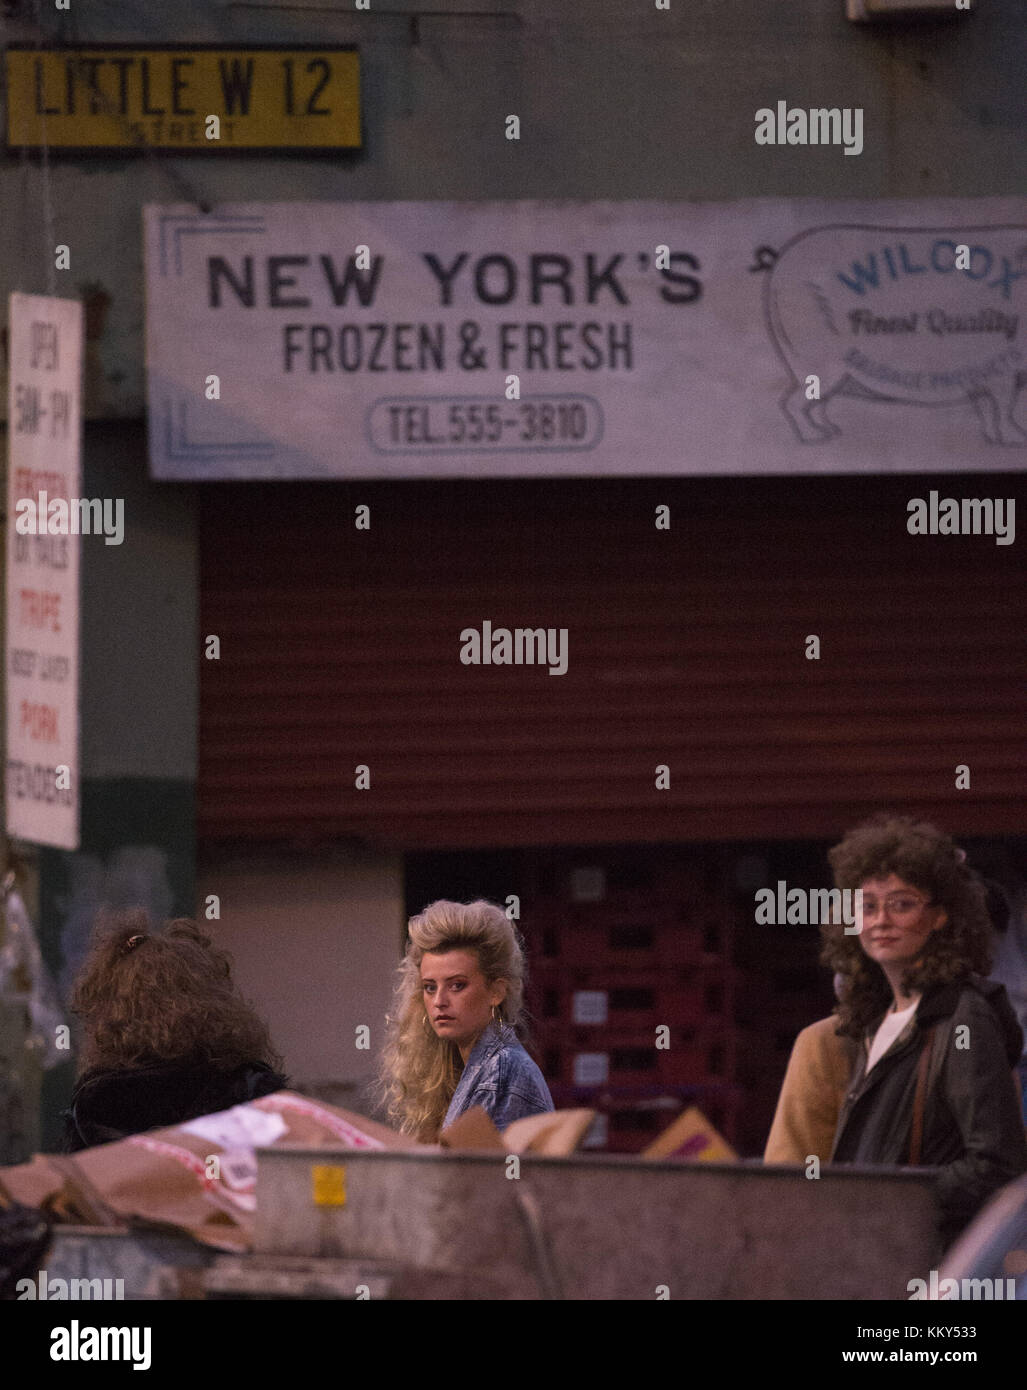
[199, 99]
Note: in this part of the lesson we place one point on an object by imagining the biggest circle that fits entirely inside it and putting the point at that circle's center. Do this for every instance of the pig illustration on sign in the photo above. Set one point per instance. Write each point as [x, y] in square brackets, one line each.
[925, 317]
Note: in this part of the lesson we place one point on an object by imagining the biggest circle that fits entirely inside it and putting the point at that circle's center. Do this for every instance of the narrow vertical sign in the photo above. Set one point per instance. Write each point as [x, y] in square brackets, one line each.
[41, 660]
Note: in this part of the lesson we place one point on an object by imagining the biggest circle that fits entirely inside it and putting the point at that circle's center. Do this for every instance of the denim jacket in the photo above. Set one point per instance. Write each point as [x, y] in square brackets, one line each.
[502, 1079]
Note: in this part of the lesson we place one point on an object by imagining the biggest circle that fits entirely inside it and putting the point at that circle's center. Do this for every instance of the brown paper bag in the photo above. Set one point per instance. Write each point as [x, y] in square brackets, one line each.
[199, 1177]
[473, 1130]
[555, 1133]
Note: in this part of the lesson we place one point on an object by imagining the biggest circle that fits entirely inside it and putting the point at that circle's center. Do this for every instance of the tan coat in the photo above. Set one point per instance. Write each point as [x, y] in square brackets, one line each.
[811, 1095]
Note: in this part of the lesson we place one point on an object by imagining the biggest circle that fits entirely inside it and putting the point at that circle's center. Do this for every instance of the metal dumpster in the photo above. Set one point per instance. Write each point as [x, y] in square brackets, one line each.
[109, 1264]
[346, 1224]
[601, 1227]
[137, 1264]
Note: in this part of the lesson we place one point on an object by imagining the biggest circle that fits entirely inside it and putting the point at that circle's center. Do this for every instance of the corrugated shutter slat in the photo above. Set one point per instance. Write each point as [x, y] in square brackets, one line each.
[341, 647]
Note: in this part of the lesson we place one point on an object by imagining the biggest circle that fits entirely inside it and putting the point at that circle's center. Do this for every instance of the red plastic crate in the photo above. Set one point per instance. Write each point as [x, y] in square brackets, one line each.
[629, 1130]
[614, 902]
[631, 1120]
[616, 941]
[596, 1001]
[633, 1059]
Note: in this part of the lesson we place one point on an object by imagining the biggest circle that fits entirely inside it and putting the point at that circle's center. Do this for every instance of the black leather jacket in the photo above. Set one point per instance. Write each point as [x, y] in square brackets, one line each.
[973, 1123]
[109, 1105]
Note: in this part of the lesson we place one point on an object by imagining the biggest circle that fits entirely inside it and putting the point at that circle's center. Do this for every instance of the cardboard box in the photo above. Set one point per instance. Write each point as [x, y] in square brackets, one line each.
[553, 1133]
[691, 1137]
[199, 1176]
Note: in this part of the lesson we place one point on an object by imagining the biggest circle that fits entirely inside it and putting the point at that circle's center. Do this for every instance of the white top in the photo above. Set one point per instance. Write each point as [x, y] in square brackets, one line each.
[891, 1026]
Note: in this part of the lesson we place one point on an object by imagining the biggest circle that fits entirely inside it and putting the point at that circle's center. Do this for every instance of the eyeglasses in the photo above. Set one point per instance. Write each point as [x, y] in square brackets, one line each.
[895, 904]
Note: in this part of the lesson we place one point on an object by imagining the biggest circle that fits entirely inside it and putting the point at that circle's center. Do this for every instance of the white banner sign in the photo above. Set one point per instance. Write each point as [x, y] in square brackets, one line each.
[41, 660]
[314, 340]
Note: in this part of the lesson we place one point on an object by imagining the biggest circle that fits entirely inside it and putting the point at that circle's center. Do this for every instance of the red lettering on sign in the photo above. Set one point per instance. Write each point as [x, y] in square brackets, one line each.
[39, 721]
[30, 482]
[40, 608]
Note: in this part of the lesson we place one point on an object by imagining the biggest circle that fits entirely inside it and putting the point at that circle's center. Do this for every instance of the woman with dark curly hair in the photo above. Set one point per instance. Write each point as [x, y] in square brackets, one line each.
[166, 1036]
[933, 1081]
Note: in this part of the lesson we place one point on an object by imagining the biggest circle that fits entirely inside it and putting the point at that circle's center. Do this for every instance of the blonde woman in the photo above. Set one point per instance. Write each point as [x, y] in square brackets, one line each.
[452, 1041]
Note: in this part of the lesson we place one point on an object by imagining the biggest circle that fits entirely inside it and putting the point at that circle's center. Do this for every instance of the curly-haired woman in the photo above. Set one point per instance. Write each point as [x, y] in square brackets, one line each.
[166, 1035]
[932, 1084]
[452, 1040]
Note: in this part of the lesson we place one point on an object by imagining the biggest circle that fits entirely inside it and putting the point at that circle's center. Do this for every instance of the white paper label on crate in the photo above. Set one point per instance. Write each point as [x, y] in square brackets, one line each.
[589, 1006]
[591, 1068]
[588, 885]
[242, 1127]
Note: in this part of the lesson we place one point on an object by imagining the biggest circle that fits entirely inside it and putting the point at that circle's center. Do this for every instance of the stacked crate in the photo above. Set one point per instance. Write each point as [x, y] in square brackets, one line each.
[776, 1001]
[606, 976]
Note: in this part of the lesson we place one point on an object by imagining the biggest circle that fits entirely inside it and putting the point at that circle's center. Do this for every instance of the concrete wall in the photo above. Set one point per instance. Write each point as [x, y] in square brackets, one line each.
[139, 620]
[315, 941]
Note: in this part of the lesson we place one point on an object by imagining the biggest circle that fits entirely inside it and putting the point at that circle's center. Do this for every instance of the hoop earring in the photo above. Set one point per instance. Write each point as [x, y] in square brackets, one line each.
[497, 1023]
[426, 1023]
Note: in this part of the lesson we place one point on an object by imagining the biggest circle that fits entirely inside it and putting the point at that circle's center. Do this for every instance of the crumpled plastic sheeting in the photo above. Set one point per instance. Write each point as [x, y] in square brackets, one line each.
[21, 957]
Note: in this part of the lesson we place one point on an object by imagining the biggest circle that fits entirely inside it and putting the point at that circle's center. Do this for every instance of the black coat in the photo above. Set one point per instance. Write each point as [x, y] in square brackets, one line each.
[109, 1105]
[973, 1122]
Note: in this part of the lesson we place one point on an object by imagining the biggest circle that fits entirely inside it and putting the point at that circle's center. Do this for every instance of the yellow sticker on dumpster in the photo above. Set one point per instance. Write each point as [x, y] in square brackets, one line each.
[329, 1184]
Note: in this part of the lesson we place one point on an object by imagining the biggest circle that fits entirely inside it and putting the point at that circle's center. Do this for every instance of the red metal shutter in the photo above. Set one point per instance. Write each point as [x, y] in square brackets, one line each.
[340, 647]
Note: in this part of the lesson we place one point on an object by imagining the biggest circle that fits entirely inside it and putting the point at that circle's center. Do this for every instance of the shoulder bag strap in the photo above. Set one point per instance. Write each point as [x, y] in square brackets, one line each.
[916, 1137]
